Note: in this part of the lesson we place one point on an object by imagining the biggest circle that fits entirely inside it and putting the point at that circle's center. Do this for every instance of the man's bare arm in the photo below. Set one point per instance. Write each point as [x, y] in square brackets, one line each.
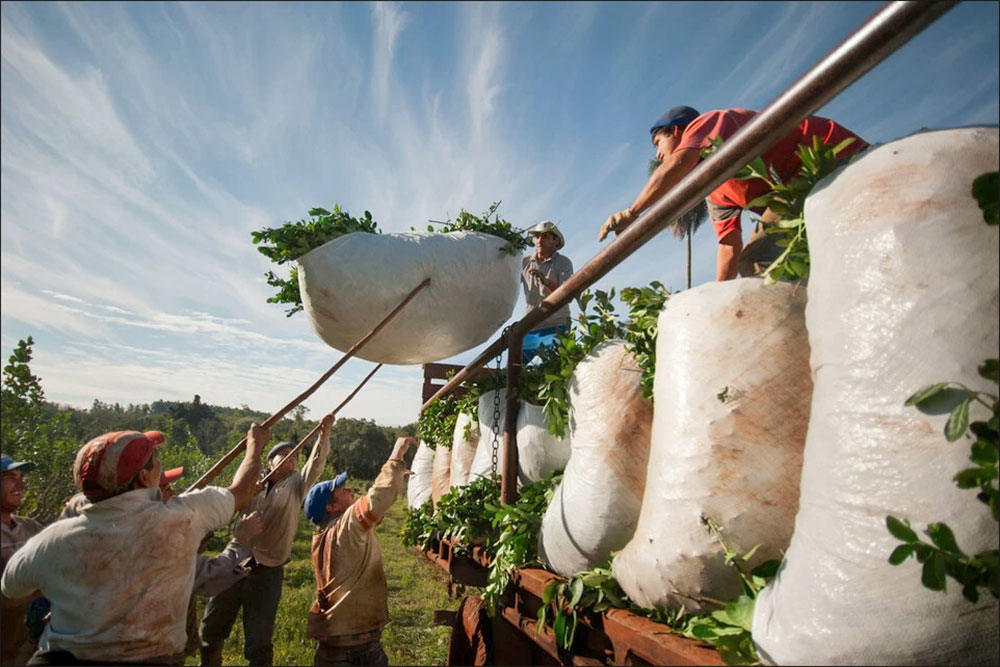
[244, 484]
[678, 165]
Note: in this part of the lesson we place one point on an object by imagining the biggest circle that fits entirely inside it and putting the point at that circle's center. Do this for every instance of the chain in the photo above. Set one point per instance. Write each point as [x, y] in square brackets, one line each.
[496, 410]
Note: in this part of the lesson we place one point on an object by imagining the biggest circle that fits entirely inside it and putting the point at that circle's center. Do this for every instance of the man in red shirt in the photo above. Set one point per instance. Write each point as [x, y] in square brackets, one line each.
[679, 137]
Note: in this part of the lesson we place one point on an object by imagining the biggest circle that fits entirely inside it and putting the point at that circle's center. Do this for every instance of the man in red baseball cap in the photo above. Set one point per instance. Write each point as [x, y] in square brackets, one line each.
[119, 576]
[679, 136]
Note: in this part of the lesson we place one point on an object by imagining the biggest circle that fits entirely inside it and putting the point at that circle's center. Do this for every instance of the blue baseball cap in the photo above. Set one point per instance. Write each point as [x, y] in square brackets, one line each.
[319, 496]
[675, 116]
[7, 463]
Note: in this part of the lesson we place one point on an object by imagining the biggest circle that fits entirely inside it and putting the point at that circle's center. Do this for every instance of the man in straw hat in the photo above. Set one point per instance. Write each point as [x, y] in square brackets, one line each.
[120, 574]
[542, 272]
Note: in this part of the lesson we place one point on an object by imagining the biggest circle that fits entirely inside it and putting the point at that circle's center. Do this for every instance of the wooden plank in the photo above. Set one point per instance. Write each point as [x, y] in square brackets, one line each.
[653, 642]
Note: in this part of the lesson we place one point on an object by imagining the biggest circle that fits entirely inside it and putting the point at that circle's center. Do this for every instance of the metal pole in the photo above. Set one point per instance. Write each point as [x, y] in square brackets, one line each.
[508, 484]
[889, 28]
[495, 348]
[235, 451]
[296, 448]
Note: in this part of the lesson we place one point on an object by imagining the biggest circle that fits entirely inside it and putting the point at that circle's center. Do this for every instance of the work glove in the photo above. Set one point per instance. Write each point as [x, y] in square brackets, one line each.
[615, 223]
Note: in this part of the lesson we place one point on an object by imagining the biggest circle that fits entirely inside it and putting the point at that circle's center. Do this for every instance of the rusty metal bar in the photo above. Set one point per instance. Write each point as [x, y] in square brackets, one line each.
[270, 421]
[296, 448]
[894, 24]
[495, 348]
[508, 477]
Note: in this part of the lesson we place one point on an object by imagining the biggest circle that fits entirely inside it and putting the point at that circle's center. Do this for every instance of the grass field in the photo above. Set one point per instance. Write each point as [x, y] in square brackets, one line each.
[416, 589]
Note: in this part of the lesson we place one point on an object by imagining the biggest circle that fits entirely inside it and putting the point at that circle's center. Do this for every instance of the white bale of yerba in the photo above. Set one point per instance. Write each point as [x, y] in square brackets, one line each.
[350, 284]
[595, 508]
[482, 463]
[731, 410]
[902, 294]
[463, 448]
[418, 485]
[539, 453]
[440, 472]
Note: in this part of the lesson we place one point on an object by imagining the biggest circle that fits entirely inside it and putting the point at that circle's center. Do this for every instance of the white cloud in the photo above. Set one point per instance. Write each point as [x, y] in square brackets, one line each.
[389, 23]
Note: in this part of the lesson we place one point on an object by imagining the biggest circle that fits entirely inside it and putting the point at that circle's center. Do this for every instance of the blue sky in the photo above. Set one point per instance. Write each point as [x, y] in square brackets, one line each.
[141, 143]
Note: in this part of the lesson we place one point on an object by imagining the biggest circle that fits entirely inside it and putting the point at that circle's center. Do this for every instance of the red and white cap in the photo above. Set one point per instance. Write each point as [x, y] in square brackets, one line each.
[106, 464]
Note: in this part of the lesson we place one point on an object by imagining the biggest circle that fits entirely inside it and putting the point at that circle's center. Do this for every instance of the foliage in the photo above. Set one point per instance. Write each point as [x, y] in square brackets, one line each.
[418, 526]
[517, 541]
[942, 557]
[436, 424]
[986, 190]
[294, 239]
[787, 200]
[467, 222]
[547, 383]
[596, 590]
[462, 513]
[645, 304]
[21, 398]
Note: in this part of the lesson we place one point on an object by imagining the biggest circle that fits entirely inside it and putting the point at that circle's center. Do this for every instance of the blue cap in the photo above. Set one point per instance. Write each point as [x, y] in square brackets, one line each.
[7, 463]
[319, 496]
[675, 116]
[278, 447]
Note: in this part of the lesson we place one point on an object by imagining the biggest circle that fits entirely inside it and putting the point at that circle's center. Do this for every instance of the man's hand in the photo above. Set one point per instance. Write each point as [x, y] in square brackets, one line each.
[248, 527]
[257, 437]
[402, 446]
[615, 223]
[325, 426]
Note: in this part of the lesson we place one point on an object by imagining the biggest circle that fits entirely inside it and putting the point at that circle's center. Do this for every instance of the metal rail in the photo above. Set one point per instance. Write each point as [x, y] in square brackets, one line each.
[894, 24]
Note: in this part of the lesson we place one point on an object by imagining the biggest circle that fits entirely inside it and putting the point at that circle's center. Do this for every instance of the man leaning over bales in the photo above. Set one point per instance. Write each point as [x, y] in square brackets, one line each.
[259, 594]
[119, 575]
[351, 605]
[15, 644]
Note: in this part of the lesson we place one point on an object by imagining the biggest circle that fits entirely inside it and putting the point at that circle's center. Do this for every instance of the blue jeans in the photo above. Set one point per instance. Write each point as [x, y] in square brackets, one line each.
[534, 340]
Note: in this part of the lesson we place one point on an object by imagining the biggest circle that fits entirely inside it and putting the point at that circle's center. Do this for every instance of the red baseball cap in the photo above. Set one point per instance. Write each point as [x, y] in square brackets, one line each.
[171, 476]
[106, 464]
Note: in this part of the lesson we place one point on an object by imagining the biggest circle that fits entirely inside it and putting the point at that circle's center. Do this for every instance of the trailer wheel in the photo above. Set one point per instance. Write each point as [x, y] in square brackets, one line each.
[471, 634]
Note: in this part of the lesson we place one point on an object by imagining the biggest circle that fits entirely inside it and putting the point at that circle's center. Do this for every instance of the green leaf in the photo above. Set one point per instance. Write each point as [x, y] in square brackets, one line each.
[925, 393]
[900, 554]
[968, 478]
[766, 569]
[738, 612]
[549, 592]
[900, 530]
[958, 422]
[576, 591]
[942, 537]
[559, 628]
[933, 573]
[985, 190]
[990, 369]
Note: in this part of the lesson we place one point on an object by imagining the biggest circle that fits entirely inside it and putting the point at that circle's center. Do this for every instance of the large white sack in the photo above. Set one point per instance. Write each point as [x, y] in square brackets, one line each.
[351, 283]
[735, 460]
[538, 451]
[595, 508]
[440, 473]
[463, 448]
[903, 293]
[418, 485]
[482, 463]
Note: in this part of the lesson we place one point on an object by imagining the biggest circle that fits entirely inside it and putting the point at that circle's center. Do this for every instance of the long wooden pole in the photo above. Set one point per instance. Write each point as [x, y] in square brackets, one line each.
[295, 450]
[235, 451]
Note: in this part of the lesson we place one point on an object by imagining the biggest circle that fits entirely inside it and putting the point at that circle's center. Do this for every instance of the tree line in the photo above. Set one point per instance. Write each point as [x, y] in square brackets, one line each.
[198, 434]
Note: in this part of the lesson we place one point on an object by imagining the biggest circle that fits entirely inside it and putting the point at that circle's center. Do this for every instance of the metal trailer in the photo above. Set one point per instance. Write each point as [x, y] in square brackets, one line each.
[617, 636]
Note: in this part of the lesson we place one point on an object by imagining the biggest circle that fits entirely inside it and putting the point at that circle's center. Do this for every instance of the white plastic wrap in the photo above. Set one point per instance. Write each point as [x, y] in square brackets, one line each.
[902, 294]
[418, 485]
[351, 283]
[482, 463]
[595, 508]
[732, 395]
[440, 473]
[538, 451]
[463, 449]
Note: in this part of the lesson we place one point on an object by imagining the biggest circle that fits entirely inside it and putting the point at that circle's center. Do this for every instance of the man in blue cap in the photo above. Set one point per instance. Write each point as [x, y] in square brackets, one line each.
[351, 605]
[16, 530]
[260, 593]
[682, 133]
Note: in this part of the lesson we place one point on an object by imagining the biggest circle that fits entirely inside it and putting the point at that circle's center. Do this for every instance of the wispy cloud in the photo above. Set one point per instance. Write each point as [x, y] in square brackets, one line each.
[389, 21]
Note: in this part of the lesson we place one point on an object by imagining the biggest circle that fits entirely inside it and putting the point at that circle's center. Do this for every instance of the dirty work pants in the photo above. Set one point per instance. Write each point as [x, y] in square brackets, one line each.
[339, 656]
[258, 594]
